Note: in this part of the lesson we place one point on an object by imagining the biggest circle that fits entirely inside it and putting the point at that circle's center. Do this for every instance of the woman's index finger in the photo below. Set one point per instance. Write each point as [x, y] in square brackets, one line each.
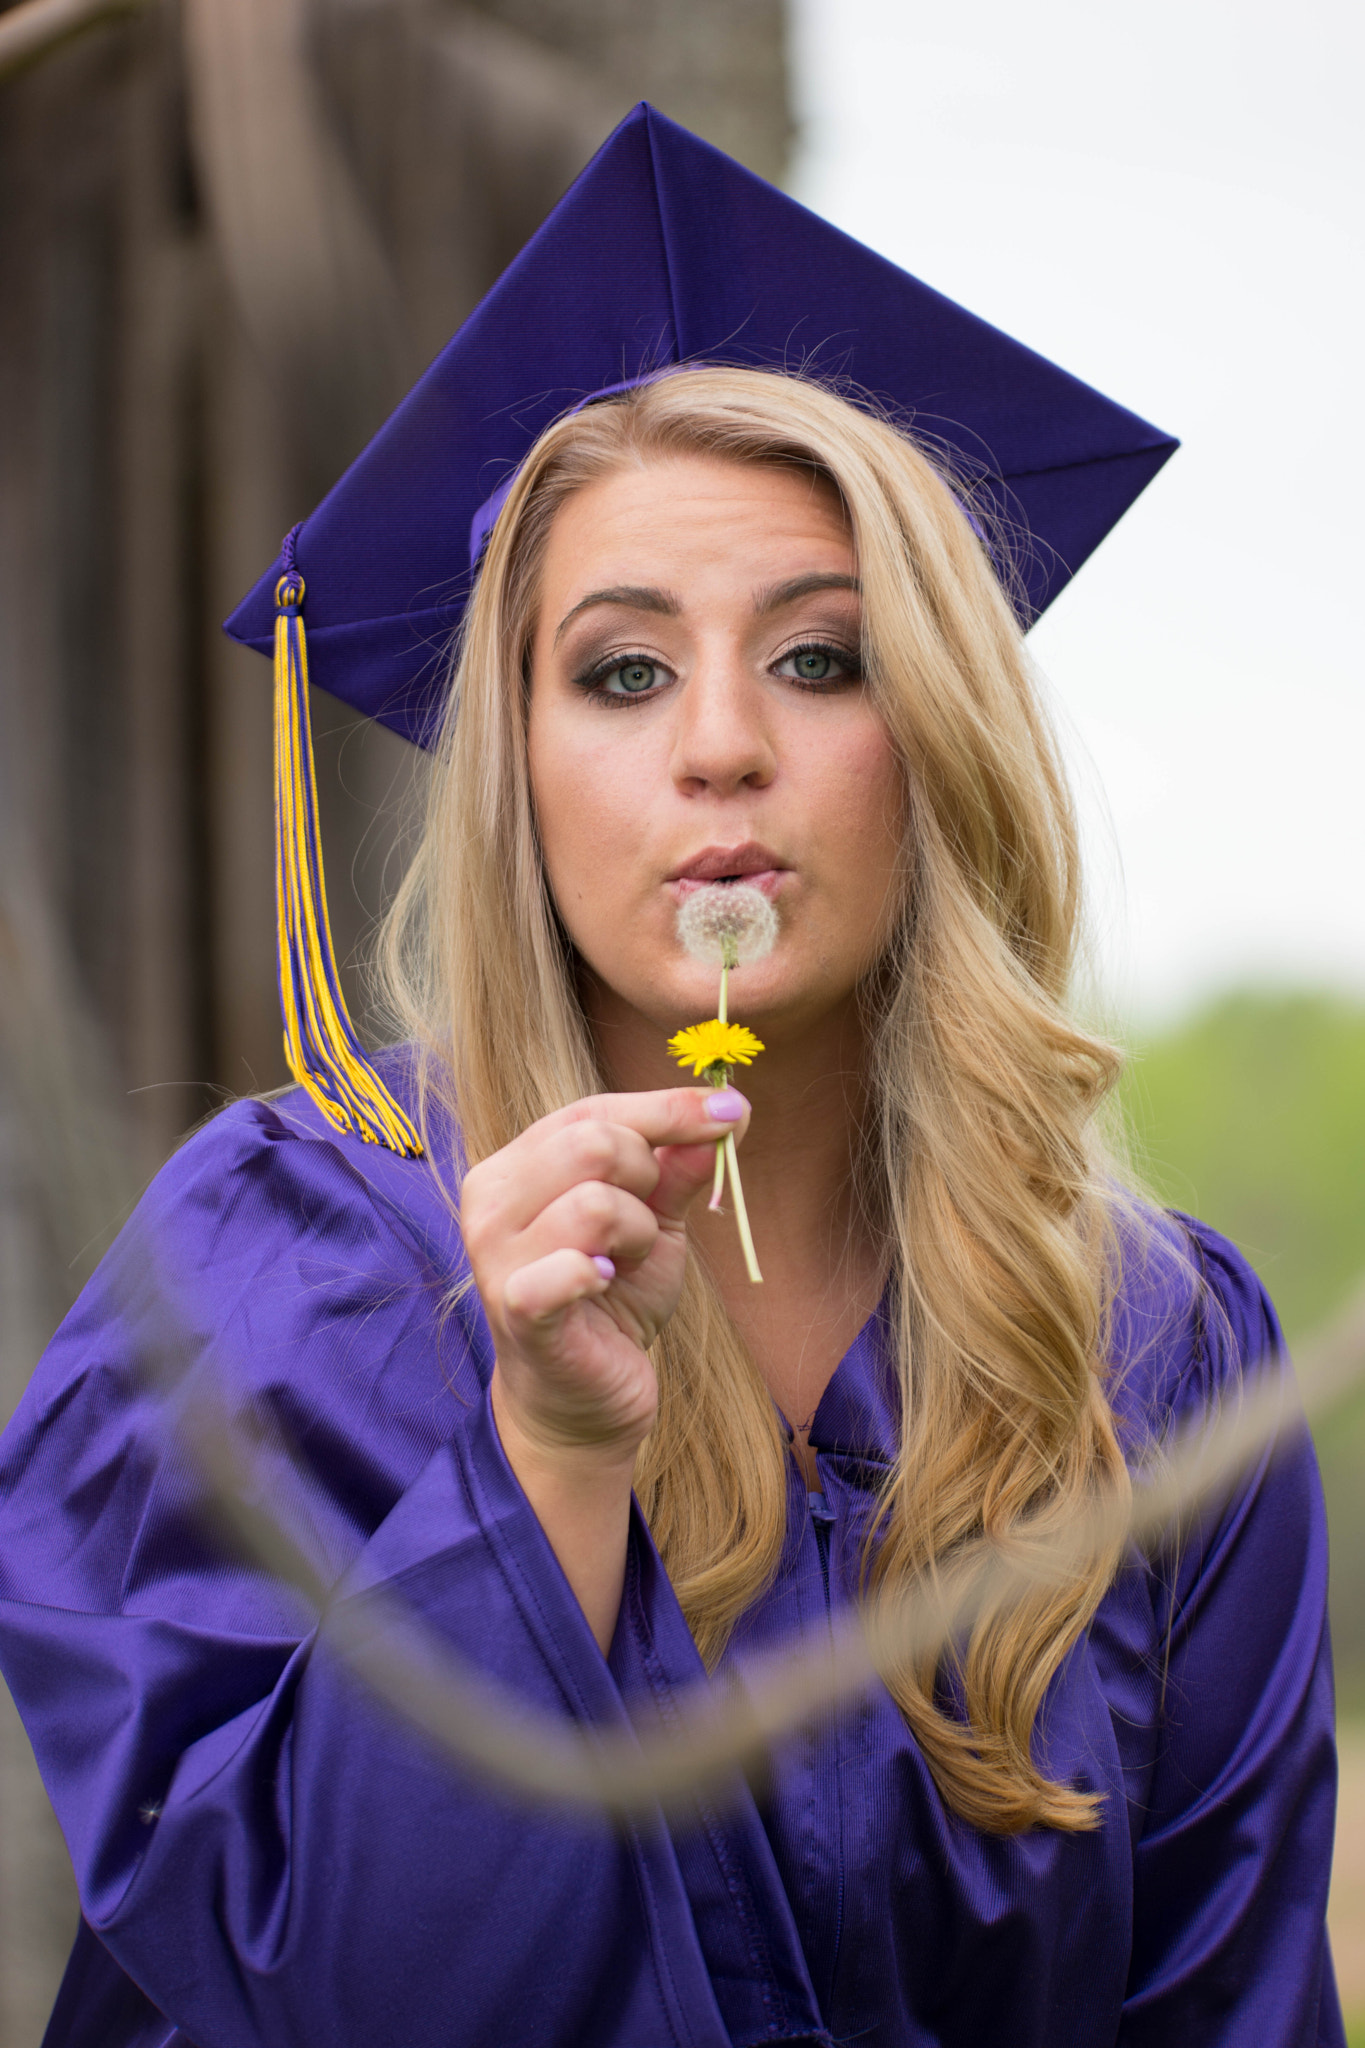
[612, 1138]
[668, 1116]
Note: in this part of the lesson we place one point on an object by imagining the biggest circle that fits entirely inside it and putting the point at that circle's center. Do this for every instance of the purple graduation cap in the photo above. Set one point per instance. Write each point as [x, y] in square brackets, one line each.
[663, 251]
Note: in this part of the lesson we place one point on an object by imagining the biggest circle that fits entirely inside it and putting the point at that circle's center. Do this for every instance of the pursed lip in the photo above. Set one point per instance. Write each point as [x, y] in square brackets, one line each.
[756, 865]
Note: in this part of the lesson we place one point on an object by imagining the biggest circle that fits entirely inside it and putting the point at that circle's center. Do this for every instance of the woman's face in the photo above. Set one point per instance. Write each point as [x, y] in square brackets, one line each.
[697, 713]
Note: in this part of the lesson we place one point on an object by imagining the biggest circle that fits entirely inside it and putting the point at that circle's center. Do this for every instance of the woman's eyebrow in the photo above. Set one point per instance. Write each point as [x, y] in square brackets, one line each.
[777, 594]
[638, 597]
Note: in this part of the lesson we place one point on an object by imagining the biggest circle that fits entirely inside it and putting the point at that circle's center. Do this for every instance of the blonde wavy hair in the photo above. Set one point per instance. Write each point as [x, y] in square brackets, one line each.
[980, 1168]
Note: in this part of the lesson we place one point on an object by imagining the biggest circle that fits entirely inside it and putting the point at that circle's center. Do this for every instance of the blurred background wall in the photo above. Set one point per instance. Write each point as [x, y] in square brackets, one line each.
[232, 230]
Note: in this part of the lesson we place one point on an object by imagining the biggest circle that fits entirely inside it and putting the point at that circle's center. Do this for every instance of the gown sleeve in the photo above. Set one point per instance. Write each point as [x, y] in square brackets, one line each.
[1234, 1821]
[263, 1854]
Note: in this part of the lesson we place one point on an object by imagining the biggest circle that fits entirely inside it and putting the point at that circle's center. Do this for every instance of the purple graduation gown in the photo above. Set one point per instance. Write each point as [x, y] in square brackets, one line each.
[265, 1857]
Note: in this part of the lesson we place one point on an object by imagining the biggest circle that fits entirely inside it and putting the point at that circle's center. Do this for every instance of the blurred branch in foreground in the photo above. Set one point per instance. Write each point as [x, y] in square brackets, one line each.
[718, 1728]
[725, 1727]
[28, 32]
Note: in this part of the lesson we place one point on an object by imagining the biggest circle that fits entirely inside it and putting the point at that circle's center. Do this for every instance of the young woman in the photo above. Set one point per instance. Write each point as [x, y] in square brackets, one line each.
[728, 627]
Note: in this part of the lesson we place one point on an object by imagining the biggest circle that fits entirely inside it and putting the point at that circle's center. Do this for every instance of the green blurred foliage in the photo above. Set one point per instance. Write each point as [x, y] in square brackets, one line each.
[1252, 1115]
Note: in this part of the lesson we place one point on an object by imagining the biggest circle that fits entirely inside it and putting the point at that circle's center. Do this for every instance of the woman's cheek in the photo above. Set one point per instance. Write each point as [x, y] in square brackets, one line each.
[591, 839]
[870, 807]
[859, 796]
[577, 813]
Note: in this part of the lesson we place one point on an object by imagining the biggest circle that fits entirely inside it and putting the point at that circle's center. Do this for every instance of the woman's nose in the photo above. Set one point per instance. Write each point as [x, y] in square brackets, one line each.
[723, 739]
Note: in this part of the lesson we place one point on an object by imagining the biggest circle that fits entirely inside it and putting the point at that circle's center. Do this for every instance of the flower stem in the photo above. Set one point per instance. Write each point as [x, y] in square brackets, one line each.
[718, 1076]
[727, 1153]
[741, 1213]
[723, 1014]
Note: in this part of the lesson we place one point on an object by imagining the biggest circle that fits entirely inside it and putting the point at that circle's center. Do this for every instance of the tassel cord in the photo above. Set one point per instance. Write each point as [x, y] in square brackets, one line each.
[321, 1048]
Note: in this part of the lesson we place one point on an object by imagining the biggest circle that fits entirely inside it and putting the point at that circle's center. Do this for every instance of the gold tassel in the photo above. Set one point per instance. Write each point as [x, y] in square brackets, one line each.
[320, 1042]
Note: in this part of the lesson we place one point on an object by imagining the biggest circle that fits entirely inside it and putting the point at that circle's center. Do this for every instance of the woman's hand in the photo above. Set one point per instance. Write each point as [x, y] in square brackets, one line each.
[576, 1234]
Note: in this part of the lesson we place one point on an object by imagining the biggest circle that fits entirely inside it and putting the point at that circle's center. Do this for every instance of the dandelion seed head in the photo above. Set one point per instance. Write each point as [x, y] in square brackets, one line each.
[727, 917]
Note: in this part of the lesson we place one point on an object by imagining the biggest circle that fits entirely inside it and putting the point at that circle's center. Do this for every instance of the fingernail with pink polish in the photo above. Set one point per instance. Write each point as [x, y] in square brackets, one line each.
[727, 1105]
[604, 1265]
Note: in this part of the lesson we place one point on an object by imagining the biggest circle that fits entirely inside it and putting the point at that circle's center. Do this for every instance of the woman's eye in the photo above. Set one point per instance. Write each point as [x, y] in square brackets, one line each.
[818, 665]
[635, 678]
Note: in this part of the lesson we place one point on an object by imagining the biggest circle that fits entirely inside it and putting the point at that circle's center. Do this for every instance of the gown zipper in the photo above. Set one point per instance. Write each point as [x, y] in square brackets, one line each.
[822, 1521]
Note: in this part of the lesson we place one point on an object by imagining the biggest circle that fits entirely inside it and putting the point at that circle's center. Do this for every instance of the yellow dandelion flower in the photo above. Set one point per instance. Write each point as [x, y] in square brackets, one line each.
[714, 1045]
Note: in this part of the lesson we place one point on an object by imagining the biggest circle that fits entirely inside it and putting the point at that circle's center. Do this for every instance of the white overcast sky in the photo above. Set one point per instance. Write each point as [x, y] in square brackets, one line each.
[1167, 200]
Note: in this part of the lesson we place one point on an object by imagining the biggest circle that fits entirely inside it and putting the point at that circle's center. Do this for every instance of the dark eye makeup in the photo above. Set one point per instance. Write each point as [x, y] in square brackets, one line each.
[820, 665]
[816, 665]
[622, 678]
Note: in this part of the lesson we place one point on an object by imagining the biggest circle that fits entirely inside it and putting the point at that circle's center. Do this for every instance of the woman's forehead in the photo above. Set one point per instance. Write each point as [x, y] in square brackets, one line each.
[666, 518]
